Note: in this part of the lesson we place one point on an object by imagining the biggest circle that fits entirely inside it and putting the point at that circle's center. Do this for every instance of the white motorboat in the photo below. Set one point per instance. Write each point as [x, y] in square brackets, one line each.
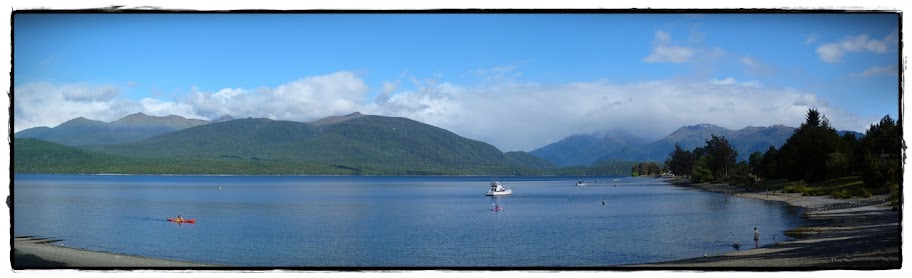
[582, 183]
[498, 190]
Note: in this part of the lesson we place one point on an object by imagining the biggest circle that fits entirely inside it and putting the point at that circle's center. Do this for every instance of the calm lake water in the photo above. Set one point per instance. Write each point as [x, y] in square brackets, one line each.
[258, 221]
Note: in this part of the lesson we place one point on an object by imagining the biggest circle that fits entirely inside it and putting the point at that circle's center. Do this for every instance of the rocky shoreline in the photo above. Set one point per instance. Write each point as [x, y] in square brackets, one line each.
[856, 233]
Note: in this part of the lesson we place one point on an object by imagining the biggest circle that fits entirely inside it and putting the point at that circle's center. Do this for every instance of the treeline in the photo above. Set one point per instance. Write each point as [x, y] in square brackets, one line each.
[646, 169]
[814, 153]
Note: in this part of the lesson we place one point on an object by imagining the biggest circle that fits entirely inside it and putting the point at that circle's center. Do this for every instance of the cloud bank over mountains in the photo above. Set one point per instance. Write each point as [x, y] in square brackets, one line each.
[508, 114]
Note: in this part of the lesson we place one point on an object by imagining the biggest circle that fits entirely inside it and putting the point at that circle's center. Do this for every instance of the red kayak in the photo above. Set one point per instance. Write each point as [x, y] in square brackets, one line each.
[182, 220]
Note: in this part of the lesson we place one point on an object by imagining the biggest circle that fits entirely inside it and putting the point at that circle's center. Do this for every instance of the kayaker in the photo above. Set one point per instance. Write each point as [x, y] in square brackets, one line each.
[179, 218]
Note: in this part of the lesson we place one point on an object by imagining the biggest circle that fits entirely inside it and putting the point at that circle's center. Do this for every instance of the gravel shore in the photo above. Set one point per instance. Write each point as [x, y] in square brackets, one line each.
[856, 233]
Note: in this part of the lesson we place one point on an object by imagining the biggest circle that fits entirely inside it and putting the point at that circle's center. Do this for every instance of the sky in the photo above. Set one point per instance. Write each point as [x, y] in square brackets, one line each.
[516, 81]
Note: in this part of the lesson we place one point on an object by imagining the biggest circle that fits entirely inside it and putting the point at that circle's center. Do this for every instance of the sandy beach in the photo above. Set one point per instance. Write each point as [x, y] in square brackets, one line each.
[36, 253]
[856, 233]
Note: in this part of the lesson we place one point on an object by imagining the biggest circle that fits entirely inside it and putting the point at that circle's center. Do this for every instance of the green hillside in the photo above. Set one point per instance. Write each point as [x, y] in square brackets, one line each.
[37, 156]
[366, 145]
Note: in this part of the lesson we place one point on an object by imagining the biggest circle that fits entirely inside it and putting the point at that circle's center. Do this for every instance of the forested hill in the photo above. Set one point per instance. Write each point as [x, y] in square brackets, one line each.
[358, 145]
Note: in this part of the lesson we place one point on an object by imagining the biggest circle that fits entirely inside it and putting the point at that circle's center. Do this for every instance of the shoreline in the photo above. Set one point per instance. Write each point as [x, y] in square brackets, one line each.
[855, 233]
[38, 253]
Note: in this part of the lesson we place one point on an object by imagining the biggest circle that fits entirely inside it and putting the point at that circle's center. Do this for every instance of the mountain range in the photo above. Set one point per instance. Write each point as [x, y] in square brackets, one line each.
[619, 145]
[351, 144]
[586, 149]
[631, 148]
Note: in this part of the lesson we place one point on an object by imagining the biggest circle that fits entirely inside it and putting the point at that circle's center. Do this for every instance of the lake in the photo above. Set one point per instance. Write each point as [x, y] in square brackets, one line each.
[358, 221]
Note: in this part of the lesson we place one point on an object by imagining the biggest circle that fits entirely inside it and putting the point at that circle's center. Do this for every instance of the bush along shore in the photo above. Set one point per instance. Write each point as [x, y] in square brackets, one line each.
[847, 233]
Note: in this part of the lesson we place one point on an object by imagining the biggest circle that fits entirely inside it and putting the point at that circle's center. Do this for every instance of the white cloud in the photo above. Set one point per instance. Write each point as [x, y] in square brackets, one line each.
[662, 37]
[878, 70]
[727, 81]
[47, 104]
[748, 60]
[509, 115]
[833, 52]
[810, 100]
[732, 81]
[528, 116]
[83, 93]
[812, 38]
[664, 51]
[306, 99]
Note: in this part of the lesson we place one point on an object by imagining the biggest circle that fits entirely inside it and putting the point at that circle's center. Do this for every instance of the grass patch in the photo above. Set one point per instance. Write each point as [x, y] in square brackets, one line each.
[841, 188]
[800, 232]
[796, 187]
[773, 184]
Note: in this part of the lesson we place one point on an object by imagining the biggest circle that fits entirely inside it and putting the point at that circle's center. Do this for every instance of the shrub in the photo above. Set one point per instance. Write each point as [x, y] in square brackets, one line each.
[842, 194]
[864, 193]
[894, 194]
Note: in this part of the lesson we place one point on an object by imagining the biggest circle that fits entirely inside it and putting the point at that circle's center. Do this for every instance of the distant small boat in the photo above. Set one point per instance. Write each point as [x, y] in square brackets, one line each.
[582, 183]
[498, 190]
[497, 207]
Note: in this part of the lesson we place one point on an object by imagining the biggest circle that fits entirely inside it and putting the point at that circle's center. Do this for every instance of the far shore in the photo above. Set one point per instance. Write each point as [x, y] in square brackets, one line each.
[855, 233]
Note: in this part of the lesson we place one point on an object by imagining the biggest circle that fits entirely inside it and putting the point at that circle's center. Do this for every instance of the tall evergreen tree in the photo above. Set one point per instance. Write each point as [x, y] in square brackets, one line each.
[805, 153]
[770, 164]
[679, 161]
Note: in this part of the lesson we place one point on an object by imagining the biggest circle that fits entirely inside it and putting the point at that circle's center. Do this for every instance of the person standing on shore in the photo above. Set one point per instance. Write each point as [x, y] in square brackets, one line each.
[756, 238]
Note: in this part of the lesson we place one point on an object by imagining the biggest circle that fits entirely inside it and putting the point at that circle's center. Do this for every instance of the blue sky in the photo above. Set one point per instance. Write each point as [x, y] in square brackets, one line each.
[518, 81]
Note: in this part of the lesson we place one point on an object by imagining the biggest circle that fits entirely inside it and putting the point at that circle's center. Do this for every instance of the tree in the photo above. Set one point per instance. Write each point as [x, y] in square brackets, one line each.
[755, 163]
[854, 153]
[740, 174]
[721, 157]
[770, 166]
[679, 161]
[645, 169]
[837, 165]
[882, 146]
[701, 171]
[805, 153]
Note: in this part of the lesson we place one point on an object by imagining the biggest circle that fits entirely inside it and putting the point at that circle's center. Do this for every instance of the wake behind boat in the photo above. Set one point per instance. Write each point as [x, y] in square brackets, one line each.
[498, 190]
